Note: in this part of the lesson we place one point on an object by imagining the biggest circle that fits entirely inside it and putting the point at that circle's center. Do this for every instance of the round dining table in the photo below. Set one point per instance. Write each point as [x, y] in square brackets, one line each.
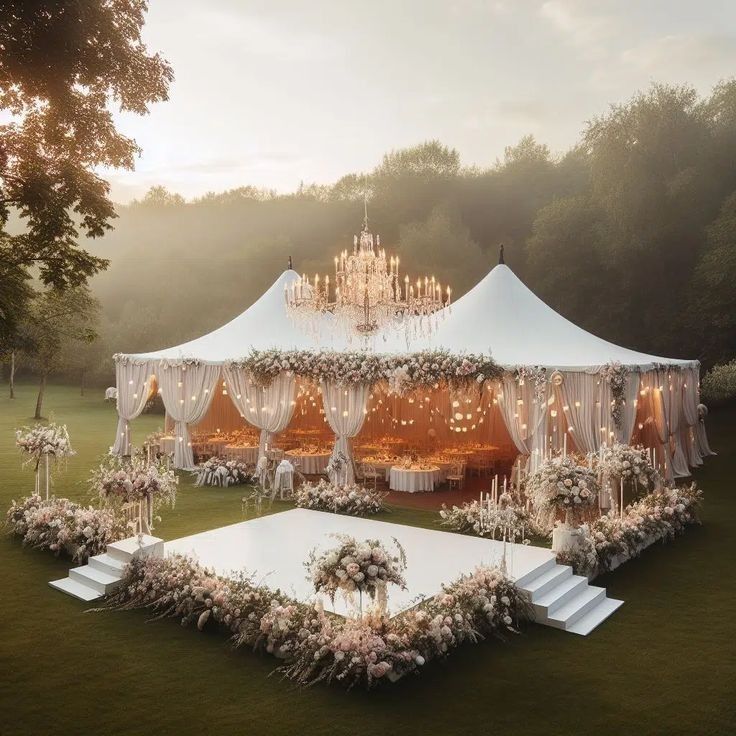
[310, 463]
[410, 480]
[246, 453]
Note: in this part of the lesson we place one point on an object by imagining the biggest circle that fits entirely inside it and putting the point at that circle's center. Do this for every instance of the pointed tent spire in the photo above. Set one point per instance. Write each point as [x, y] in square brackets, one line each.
[290, 264]
[500, 255]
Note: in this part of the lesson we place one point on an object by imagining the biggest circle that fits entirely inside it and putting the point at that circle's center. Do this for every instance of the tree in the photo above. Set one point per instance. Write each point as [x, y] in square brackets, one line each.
[62, 63]
[56, 317]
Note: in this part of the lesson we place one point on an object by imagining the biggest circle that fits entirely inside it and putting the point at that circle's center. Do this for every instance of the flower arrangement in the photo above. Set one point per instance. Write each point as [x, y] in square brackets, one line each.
[350, 567]
[135, 480]
[616, 375]
[493, 521]
[316, 646]
[561, 484]
[353, 499]
[611, 540]
[336, 467]
[630, 464]
[51, 440]
[537, 375]
[404, 373]
[219, 472]
[60, 525]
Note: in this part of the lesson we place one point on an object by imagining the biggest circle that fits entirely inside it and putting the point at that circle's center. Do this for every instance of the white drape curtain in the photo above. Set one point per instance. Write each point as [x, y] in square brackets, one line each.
[674, 401]
[525, 416]
[630, 408]
[576, 398]
[269, 408]
[690, 417]
[187, 392]
[134, 386]
[345, 409]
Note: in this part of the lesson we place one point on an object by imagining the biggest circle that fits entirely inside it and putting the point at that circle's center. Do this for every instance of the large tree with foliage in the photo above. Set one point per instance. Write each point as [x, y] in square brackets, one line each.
[63, 65]
[54, 319]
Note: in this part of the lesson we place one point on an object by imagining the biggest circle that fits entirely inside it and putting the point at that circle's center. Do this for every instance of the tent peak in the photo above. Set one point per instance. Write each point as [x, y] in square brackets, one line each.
[500, 255]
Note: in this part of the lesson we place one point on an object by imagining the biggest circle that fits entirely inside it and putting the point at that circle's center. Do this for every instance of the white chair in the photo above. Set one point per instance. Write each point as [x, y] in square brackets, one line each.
[368, 473]
[456, 476]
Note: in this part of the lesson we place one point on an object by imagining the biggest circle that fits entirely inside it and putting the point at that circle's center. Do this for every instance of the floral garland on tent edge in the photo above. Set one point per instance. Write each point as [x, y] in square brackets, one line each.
[408, 372]
[317, 646]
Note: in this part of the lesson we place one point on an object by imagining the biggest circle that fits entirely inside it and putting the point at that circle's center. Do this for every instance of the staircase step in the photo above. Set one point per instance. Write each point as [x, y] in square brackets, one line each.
[558, 596]
[574, 609]
[126, 549]
[75, 589]
[100, 581]
[546, 581]
[595, 616]
[107, 563]
[524, 580]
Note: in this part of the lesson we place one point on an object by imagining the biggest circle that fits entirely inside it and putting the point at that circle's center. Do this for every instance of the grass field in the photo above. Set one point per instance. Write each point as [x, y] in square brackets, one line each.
[665, 663]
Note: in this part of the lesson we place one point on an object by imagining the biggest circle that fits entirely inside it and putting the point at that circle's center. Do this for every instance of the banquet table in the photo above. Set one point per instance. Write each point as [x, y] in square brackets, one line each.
[410, 480]
[310, 463]
[246, 453]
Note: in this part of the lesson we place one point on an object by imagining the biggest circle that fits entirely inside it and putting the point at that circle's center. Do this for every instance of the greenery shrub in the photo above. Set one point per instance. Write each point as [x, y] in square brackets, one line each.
[719, 384]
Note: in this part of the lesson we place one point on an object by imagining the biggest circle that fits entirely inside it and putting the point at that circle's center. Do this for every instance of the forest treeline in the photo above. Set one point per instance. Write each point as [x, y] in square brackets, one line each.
[631, 234]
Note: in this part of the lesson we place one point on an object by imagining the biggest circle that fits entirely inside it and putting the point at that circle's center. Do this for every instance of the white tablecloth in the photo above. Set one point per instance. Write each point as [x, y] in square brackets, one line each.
[246, 453]
[166, 445]
[412, 481]
[310, 464]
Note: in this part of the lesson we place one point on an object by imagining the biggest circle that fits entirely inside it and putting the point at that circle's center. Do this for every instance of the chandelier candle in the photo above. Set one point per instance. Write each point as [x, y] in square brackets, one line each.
[367, 294]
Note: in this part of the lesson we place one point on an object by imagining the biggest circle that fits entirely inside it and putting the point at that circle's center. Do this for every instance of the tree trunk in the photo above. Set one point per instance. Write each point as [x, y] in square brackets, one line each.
[12, 374]
[39, 399]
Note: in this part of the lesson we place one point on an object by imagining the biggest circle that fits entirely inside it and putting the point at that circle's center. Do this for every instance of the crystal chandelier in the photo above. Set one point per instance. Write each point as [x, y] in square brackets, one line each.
[367, 294]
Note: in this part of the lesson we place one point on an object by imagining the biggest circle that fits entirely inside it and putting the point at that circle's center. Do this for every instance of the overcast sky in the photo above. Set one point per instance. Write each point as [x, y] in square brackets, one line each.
[272, 93]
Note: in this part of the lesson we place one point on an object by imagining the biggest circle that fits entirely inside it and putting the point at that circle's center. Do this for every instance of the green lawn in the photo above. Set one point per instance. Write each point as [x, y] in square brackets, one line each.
[664, 663]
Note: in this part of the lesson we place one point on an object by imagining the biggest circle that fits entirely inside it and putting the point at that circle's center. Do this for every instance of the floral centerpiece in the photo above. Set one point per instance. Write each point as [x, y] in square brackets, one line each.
[628, 464]
[49, 441]
[561, 484]
[62, 526]
[350, 567]
[352, 499]
[219, 472]
[120, 482]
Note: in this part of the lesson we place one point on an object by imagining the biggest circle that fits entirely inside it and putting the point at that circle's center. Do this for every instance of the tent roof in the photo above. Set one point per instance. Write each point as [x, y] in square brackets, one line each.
[499, 315]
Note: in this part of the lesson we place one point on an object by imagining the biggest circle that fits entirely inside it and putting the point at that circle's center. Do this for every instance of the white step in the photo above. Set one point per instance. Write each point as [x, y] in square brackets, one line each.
[107, 563]
[574, 609]
[547, 565]
[595, 616]
[558, 596]
[546, 581]
[75, 589]
[126, 549]
[100, 581]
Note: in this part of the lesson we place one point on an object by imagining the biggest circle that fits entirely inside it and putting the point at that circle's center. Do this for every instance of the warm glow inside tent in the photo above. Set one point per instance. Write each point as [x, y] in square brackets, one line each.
[561, 386]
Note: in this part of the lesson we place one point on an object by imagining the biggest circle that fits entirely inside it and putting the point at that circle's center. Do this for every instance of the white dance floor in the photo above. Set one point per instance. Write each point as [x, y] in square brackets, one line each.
[275, 548]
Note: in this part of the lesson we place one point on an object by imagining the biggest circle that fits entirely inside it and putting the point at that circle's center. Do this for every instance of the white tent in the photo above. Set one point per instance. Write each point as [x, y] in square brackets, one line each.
[500, 316]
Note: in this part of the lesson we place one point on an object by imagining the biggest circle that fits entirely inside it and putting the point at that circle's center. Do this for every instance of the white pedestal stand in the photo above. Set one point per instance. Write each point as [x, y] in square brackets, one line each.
[566, 538]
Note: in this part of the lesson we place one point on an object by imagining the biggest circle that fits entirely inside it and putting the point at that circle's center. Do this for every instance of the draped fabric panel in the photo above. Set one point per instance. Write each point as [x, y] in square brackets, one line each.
[187, 392]
[690, 417]
[576, 397]
[269, 408]
[134, 387]
[630, 408]
[674, 396]
[525, 417]
[345, 409]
